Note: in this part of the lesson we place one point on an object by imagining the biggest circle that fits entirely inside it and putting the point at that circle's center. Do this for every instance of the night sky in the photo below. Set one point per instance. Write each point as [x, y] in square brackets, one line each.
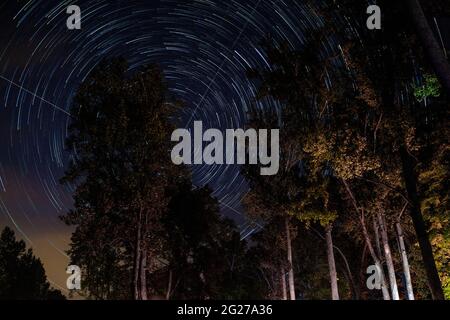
[204, 48]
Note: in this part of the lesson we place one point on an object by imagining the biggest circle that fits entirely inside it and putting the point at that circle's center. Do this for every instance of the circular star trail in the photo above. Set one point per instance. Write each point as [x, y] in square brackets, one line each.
[204, 47]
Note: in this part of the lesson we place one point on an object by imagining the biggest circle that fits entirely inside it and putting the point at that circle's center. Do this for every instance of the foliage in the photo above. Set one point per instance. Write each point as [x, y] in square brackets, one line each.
[436, 208]
[140, 223]
[22, 275]
[121, 167]
[206, 255]
[431, 88]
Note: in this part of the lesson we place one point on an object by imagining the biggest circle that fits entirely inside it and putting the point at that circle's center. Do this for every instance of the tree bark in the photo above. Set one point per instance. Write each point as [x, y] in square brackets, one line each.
[350, 278]
[415, 212]
[332, 264]
[348, 274]
[377, 236]
[140, 263]
[431, 45]
[401, 241]
[388, 255]
[360, 212]
[137, 261]
[384, 287]
[283, 284]
[289, 257]
[169, 286]
[143, 275]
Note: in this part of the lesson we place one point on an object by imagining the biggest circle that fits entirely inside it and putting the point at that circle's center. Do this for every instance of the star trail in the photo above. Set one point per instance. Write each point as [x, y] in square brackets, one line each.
[204, 47]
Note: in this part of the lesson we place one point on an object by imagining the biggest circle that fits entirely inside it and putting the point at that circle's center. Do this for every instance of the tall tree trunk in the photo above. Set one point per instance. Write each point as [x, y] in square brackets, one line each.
[137, 261]
[332, 264]
[431, 45]
[348, 274]
[384, 286]
[144, 257]
[140, 263]
[388, 255]
[169, 286]
[377, 235]
[410, 179]
[289, 257]
[143, 275]
[360, 212]
[355, 289]
[378, 264]
[283, 283]
[401, 241]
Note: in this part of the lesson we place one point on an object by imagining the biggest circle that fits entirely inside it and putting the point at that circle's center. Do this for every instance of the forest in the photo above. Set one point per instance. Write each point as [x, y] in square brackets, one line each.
[358, 210]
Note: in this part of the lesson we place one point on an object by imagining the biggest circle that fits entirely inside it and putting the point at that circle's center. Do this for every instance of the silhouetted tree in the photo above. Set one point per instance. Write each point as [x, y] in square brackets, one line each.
[121, 166]
[22, 275]
[207, 259]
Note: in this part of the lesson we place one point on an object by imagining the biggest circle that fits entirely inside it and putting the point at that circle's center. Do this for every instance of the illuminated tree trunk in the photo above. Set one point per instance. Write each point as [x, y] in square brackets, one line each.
[137, 261]
[401, 241]
[169, 286]
[360, 212]
[140, 263]
[143, 276]
[431, 45]
[384, 287]
[289, 257]
[332, 264]
[377, 236]
[283, 284]
[388, 256]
